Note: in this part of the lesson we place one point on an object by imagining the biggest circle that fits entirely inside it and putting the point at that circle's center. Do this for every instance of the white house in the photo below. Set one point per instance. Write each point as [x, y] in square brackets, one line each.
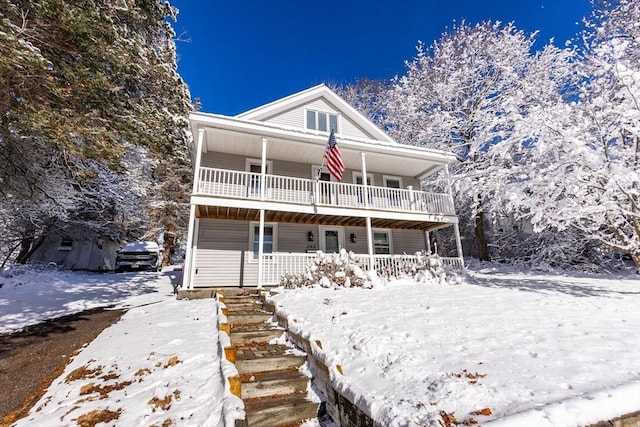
[263, 202]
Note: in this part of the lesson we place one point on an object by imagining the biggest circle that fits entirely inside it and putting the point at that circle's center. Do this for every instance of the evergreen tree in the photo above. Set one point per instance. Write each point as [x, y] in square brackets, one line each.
[91, 109]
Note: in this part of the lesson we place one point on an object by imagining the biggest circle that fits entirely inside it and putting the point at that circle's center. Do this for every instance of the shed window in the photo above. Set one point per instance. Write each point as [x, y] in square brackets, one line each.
[66, 244]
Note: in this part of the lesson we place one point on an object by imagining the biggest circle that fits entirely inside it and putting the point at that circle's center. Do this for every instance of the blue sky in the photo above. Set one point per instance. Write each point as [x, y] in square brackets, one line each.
[239, 54]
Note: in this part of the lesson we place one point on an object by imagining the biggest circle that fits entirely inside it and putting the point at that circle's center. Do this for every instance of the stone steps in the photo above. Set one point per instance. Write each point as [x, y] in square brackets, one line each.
[269, 382]
[278, 411]
[254, 337]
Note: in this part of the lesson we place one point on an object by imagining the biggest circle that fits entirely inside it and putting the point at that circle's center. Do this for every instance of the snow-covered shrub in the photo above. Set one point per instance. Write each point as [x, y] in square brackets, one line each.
[341, 270]
[427, 267]
[346, 270]
[291, 280]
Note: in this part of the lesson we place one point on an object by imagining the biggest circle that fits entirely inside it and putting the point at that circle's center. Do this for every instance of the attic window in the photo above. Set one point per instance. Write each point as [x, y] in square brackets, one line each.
[322, 121]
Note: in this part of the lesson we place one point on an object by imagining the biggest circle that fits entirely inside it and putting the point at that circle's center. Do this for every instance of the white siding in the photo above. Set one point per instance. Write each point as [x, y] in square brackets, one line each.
[408, 241]
[294, 237]
[293, 118]
[223, 161]
[296, 170]
[220, 247]
[296, 118]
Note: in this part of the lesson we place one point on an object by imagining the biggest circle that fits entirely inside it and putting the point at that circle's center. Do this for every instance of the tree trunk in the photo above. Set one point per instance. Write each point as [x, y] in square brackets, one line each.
[25, 246]
[30, 243]
[169, 240]
[635, 256]
[481, 240]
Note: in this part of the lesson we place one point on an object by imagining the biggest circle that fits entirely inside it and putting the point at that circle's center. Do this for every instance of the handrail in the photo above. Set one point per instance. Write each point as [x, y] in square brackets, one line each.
[240, 184]
[279, 264]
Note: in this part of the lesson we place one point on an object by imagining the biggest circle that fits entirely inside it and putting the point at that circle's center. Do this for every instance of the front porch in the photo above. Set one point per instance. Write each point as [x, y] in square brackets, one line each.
[277, 265]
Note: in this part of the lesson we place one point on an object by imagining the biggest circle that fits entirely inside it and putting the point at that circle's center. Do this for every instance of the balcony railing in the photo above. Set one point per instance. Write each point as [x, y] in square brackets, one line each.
[243, 185]
[276, 265]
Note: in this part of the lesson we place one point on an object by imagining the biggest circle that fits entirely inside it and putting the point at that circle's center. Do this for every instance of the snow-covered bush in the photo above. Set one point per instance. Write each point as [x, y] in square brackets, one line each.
[341, 270]
[346, 270]
[426, 268]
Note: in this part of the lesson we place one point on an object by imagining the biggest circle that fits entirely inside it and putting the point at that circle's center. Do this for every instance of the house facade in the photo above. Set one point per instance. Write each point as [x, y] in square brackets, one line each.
[264, 203]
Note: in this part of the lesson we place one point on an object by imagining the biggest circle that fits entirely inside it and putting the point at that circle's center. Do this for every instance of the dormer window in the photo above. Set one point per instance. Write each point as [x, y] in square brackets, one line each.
[322, 121]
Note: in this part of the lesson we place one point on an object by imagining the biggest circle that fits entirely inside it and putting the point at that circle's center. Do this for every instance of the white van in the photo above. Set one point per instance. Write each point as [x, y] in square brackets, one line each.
[139, 256]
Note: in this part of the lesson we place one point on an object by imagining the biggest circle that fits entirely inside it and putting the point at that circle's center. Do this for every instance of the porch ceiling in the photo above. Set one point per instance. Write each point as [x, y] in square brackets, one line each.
[308, 148]
[241, 214]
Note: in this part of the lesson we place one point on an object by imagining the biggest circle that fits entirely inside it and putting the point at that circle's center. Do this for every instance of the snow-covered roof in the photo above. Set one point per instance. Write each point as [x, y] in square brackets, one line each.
[141, 247]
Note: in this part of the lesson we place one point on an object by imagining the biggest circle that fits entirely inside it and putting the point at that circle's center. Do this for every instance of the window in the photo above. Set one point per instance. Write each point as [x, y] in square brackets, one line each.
[381, 242]
[357, 179]
[319, 120]
[269, 244]
[326, 191]
[255, 167]
[66, 244]
[393, 182]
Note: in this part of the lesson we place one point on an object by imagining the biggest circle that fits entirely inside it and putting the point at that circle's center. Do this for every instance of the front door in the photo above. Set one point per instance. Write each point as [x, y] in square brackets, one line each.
[332, 239]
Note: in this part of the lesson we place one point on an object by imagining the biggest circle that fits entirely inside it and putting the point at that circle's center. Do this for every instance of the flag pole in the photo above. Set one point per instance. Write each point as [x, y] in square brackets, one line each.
[317, 183]
[323, 160]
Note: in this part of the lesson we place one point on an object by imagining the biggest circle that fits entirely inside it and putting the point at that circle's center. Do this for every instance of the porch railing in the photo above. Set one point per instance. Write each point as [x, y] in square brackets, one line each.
[276, 265]
[238, 184]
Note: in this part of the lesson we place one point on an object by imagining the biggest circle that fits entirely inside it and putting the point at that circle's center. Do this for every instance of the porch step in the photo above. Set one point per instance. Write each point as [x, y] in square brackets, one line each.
[278, 411]
[254, 337]
[258, 359]
[239, 306]
[236, 318]
[270, 364]
[273, 383]
[240, 299]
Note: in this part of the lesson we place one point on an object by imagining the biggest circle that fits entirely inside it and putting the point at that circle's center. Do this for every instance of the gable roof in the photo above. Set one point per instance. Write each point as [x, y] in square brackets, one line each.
[320, 91]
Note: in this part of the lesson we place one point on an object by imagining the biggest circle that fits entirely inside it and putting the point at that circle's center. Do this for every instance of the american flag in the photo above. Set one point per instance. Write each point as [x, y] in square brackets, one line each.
[334, 158]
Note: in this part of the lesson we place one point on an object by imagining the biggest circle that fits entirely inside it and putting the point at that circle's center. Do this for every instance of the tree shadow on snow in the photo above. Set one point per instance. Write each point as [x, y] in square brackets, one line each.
[538, 285]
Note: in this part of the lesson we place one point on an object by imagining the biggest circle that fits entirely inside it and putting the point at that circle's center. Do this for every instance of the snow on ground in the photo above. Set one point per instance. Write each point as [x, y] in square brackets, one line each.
[530, 349]
[160, 362]
[29, 295]
[533, 349]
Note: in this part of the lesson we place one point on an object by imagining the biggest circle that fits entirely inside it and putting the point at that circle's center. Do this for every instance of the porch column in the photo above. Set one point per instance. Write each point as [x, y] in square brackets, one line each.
[260, 248]
[366, 205]
[196, 178]
[263, 179]
[427, 236]
[189, 259]
[456, 230]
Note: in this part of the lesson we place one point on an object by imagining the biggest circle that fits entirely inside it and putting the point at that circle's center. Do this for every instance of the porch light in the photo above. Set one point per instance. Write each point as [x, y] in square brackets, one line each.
[310, 236]
[354, 239]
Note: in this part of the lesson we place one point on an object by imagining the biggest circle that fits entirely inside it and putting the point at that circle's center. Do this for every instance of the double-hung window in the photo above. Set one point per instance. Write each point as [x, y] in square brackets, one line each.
[381, 242]
[269, 244]
[322, 121]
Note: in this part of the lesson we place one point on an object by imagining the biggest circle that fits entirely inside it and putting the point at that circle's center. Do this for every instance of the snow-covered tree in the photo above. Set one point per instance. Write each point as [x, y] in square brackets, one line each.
[584, 170]
[86, 87]
[467, 93]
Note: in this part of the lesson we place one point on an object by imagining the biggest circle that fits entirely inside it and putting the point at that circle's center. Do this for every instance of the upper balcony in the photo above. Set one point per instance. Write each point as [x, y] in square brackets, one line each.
[290, 191]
